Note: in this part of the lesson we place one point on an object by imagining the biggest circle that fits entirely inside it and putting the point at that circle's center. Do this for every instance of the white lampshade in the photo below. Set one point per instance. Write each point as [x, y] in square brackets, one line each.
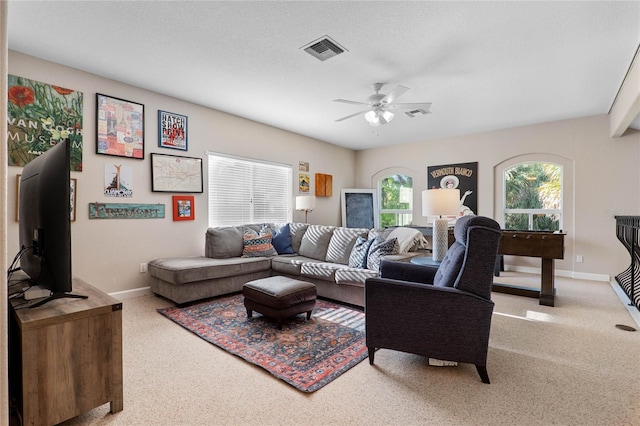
[305, 202]
[440, 202]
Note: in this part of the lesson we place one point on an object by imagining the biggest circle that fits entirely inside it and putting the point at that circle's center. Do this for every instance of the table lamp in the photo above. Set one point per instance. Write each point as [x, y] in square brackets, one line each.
[440, 202]
[305, 203]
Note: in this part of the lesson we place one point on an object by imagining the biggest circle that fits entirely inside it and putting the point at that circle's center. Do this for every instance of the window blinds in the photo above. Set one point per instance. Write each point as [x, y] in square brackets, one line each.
[248, 191]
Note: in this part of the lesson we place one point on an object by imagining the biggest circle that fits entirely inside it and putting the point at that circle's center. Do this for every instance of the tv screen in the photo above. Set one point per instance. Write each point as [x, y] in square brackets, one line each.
[44, 221]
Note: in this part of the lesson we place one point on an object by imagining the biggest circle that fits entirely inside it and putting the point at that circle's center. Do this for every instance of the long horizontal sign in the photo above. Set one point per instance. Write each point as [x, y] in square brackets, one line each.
[125, 211]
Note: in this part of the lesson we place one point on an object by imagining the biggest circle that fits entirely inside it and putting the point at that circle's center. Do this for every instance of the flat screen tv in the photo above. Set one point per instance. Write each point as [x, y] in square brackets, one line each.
[44, 222]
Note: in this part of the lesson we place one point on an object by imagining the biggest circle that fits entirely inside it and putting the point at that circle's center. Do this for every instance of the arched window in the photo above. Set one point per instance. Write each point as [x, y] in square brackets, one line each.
[533, 196]
[396, 200]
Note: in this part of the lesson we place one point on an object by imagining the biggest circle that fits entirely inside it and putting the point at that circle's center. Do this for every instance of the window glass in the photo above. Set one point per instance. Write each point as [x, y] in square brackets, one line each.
[533, 197]
[396, 200]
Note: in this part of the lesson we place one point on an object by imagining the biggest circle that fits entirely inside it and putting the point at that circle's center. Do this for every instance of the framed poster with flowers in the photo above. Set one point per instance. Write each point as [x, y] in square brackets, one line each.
[172, 130]
[119, 127]
[183, 207]
[39, 115]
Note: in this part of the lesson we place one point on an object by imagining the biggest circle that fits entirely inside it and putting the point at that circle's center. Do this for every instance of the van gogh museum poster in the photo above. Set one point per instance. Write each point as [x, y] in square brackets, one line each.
[40, 115]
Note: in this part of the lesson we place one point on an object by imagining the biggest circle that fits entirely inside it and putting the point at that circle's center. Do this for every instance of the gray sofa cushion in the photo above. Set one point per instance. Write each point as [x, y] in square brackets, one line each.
[191, 269]
[287, 264]
[297, 232]
[341, 243]
[354, 276]
[324, 271]
[223, 242]
[315, 241]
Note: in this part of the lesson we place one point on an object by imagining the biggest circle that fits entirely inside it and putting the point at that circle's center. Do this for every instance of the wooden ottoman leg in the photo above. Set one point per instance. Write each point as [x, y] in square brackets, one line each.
[249, 312]
[309, 315]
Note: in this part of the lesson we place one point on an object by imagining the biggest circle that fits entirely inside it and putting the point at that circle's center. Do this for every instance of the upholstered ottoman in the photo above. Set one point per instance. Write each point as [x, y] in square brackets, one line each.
[279, 297]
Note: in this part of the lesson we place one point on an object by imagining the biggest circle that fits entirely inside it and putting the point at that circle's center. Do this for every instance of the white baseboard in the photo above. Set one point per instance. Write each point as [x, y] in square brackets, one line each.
[560, 273]
[633, 311]
[133, 293]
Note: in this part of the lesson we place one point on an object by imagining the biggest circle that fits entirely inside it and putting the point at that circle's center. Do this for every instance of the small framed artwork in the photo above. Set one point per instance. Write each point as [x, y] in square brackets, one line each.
[119, 127]
[172, 130]
[174, 173]
[18, 197]
[183, 207]
[73, 191]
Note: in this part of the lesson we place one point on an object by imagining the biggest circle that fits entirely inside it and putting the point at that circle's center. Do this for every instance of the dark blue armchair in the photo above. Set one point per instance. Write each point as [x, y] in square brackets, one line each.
[439, 312]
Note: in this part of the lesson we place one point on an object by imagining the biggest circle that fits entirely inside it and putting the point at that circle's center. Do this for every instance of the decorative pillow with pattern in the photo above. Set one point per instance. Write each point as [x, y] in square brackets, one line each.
[257, 245]
[380, 248]
[359, 252]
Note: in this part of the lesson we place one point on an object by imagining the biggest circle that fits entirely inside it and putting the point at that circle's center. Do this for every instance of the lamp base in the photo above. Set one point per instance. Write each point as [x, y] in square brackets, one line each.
[440, 239]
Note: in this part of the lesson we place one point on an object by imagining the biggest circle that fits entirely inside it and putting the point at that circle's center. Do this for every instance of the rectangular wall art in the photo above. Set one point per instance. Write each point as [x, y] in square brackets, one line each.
[173, 173]
[462, 176]
[39, 115]
[119, 127]
[183, 207]
[172, 130]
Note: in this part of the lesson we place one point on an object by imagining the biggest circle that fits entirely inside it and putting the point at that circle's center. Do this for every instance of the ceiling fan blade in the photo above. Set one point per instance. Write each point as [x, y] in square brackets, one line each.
[395, 93]
[416, 105]
[352, 115]
[344, 101]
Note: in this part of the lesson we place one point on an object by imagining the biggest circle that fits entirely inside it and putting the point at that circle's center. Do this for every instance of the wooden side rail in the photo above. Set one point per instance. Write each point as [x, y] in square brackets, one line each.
[629, 280]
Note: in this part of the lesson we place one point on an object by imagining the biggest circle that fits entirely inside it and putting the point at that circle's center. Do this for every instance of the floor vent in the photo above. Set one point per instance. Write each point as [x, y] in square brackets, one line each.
[324, 48]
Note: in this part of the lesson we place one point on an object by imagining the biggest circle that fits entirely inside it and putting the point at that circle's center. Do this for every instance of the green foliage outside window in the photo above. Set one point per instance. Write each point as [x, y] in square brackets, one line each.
[533, 186]
[396, 193]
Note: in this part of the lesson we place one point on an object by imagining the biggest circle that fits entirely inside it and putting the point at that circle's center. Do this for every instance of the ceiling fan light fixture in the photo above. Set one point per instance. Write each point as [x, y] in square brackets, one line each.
[372, 118]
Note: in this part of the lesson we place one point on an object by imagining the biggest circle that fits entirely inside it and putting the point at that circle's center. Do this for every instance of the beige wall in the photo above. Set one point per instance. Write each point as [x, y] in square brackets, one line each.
[107, 253]
[603, 181]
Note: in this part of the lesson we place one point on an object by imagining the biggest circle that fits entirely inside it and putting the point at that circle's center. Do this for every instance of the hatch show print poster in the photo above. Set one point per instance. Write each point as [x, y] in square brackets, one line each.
[39, 115]
[463, 176]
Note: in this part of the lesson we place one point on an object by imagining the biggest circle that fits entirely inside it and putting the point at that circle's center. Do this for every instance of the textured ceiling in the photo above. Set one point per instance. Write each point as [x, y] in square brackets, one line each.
[483, 65]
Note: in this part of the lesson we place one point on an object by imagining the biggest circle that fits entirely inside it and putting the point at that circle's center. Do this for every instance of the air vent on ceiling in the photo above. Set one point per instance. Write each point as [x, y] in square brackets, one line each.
[324, 48]
[415, 112]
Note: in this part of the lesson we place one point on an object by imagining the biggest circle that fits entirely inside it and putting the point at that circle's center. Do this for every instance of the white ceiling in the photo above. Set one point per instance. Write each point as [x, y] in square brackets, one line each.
[484, 65]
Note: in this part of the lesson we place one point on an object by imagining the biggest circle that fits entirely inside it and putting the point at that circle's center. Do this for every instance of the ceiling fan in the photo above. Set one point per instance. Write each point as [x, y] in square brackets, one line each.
[379, 105]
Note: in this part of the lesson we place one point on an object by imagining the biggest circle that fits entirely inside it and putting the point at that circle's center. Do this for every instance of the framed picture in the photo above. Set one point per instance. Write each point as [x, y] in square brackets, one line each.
[119, 127]
[360, 208]
[173, 173]
[183, 207]
[172, 130]
[73, 190]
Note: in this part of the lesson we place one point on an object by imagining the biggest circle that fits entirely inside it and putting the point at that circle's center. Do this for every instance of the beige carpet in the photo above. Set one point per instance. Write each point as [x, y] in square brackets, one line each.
[566, 365]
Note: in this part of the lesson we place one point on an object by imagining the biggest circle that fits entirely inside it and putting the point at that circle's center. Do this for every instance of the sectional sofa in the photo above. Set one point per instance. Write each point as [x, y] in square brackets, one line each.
[337, 260]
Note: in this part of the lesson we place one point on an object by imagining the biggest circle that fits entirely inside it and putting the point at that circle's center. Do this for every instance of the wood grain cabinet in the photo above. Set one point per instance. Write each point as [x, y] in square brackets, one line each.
[65, 357]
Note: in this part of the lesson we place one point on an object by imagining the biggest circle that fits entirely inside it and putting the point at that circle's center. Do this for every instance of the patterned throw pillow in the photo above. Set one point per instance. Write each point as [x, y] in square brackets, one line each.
[359, 252]
[381, 248]
[257, 245]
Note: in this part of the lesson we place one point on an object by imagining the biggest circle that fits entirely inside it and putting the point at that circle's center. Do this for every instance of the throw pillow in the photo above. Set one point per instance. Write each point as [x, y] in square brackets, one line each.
[359, 252]
[380, 248]
[282, 240]
[257, 245]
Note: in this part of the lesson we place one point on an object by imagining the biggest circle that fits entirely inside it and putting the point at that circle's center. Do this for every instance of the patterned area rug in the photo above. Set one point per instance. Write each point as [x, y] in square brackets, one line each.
[306, 354]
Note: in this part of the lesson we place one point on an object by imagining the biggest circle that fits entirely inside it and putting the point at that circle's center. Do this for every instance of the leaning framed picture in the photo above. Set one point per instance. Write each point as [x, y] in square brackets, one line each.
[172, 130]
[183, 207]
[119, 127]
[174, 173]
[360, 208]
[73, 191]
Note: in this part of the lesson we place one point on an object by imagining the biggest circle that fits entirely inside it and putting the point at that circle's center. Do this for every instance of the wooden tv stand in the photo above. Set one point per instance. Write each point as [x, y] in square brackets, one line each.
[65, 357]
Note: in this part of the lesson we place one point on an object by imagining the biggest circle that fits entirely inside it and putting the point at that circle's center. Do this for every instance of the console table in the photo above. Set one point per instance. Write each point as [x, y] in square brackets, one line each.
[65, 357]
